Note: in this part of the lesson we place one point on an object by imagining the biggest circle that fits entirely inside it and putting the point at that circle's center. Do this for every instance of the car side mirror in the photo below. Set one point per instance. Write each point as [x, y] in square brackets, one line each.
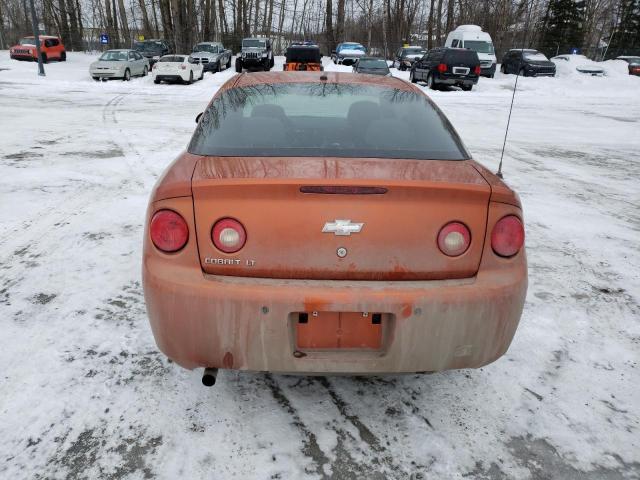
[198, 117]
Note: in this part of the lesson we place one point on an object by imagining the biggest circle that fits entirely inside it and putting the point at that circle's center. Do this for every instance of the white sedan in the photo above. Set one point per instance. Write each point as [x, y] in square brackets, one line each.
[177, 68]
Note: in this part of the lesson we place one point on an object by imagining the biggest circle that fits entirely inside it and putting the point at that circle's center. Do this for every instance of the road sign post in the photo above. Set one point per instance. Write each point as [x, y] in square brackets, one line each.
[36, 35]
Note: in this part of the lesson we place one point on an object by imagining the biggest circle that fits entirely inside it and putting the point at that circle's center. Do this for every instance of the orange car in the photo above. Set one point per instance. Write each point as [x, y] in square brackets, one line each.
[331, 223]
[51, 48]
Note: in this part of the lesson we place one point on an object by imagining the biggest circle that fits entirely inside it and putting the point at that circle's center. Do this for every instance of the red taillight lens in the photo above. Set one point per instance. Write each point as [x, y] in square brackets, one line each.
[477, 70]
[183, 67]
[454, 239]
[228, 235]
[442, 67]
[169, 231]
[507, 236]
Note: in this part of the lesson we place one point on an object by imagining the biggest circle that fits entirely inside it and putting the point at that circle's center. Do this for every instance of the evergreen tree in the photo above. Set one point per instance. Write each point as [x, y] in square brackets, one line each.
[563, 26]
[626, 33]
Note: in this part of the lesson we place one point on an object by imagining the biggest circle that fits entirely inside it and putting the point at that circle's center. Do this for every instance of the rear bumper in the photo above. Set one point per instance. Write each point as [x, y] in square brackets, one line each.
[456, 81]
[201, 320]
[170, 78]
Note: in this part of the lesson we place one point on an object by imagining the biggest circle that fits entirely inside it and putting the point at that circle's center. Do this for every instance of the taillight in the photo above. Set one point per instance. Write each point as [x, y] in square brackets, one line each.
[183, 67]
[442, 67]
[507, 236]
[477, 70]
[169, 231]
[454, 239]
[228, 235]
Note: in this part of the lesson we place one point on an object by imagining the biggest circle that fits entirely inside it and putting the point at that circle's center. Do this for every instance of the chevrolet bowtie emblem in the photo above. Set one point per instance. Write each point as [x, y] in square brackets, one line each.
[342, 227]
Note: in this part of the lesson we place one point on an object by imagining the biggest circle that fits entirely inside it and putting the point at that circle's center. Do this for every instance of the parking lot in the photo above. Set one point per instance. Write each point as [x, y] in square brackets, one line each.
[84, 393]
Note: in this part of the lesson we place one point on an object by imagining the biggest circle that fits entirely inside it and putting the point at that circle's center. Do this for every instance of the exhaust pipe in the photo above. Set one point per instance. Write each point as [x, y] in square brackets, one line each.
[209, 377]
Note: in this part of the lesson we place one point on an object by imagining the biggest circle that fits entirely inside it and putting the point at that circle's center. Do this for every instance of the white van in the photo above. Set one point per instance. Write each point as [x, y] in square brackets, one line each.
[473, 38]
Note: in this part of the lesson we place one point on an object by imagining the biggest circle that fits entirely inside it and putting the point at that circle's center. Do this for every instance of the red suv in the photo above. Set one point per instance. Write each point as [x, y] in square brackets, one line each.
[51, 48]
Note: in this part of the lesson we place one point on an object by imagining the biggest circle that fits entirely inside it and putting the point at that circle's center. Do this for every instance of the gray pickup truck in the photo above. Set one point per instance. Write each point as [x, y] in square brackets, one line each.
[212, 55]
[256, 54]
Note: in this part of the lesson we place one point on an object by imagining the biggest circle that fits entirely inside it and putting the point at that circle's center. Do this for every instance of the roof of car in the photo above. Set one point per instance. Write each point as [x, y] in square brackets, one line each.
[41, 36]
[246, 80]
[371, 58]
[522, 50]
[413, 46]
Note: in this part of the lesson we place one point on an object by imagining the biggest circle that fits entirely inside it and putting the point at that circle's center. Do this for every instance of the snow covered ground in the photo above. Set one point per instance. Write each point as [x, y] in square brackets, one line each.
[85, 394]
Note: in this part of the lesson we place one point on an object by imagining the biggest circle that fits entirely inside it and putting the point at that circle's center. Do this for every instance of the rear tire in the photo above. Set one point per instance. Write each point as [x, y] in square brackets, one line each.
[127, 75]
[156, 81]
[412, 77]
[503, 69]
[201, 75]
[63, 57]
[430, 82]
[229, 62]
[238, 65]
[523, 72]
[466, 88]
[190, 78]
[145, 72]
[97, 79]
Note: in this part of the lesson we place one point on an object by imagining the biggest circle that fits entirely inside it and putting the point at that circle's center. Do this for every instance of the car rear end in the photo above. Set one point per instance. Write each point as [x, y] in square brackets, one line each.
[171, 68]
[459, 67]
[263, 255]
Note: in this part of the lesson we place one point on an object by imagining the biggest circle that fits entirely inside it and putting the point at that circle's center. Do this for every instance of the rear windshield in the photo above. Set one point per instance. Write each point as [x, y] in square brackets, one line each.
[373, 63]
[205, 47]
[253, 43]
[148, 46]
[325, 119]
[462, 56]
[414, 51]
[172, 59]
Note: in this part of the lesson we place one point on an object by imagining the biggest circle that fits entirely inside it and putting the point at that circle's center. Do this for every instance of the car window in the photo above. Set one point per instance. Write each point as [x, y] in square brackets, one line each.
[331, 120]
[535, 56]
[114, 56]
[454, 44]
[55, 42]
[172, 59]
[479, 46]
[462, 56]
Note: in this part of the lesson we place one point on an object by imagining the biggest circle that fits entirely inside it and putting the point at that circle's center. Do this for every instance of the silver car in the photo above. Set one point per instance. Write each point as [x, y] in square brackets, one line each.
[123, 63]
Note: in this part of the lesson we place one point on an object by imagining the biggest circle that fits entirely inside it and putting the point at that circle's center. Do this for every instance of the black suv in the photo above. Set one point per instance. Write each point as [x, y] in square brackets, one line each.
[152, 49]
[527, 63]
[447, 66]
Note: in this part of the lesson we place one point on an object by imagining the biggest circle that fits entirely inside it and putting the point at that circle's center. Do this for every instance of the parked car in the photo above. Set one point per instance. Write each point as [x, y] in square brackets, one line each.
[447, 66]
[348, 52]
[152, 49]
[51, 48]
[527, 63]
[122, 63]
[473, 38]
[303, 57]
[572, 63]
[256, 54]
[212, 55]
[372, 66]
[634, 64]
[406, 56]
[418, 251]
[177, 68]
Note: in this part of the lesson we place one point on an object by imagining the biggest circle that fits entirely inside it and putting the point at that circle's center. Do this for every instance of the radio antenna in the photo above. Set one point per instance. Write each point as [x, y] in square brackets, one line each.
[515, 87]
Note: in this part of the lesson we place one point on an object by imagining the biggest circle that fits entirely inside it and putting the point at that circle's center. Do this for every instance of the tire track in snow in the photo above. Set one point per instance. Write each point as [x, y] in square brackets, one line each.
[311, 448]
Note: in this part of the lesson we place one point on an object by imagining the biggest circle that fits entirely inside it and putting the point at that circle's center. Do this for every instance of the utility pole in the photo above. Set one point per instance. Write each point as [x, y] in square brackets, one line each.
[34, 23]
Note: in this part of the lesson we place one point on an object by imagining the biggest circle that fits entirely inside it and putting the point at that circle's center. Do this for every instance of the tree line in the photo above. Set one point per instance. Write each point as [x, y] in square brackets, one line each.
[594, 27]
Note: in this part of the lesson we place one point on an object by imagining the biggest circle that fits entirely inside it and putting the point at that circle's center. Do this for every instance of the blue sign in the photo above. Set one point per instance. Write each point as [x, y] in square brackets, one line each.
[574, 51]
[104, 38]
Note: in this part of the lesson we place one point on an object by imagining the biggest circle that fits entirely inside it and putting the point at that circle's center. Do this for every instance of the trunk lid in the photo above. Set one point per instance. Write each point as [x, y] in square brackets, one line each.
[284, 226]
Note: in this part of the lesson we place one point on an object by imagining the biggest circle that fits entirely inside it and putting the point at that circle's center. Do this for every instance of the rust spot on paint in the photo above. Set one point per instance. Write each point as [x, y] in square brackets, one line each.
[406, 311]
[227, 361]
